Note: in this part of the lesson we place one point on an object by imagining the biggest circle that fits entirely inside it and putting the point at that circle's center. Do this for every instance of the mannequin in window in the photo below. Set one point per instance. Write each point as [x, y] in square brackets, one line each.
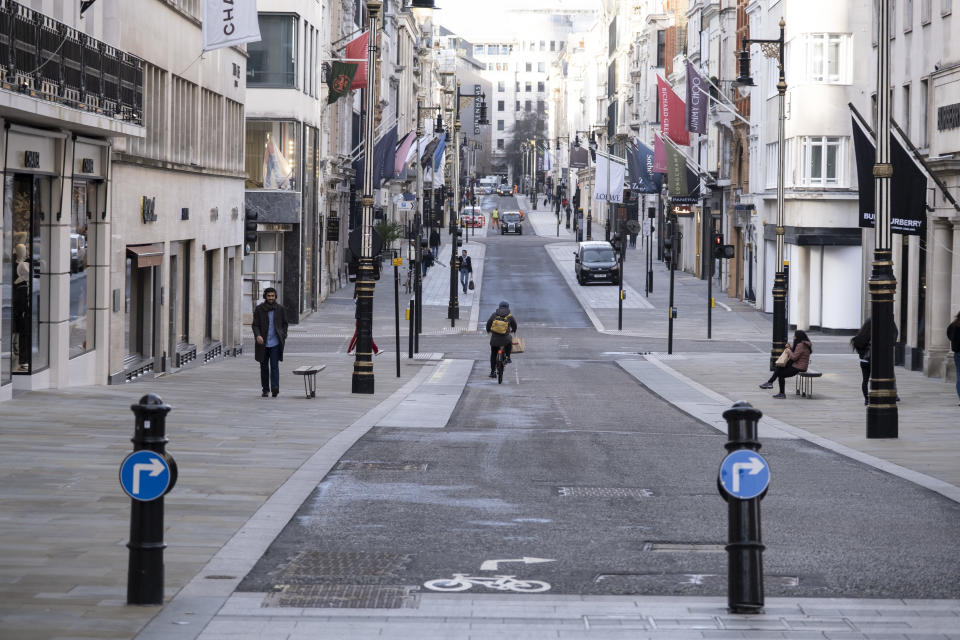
[21, 310]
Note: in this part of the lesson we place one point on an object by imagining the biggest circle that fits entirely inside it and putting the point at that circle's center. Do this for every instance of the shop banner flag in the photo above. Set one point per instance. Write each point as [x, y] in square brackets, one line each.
[356, 52]
[578, 157]
[640, 170]
[438, 153]
[609, 176]
[908, 187]
[697, 100]
[671, 114]
[676, 172]
[659, 155]
[385, 157]
[227, 23]
[340, 79]
[403, 150]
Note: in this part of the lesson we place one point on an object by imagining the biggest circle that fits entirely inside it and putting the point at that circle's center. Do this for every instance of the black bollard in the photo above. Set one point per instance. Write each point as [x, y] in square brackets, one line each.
[145, 567]
[743, 495]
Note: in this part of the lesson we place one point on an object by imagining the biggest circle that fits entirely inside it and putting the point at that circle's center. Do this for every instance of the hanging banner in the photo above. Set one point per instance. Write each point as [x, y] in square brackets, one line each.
[578, 157]
[340, 79]
[696, 112]
[640, 170]
[356, 52]
[671, 113]
[227, 23]
[684, 183]
[908, 187]
[609, 175]
[659, 155]
[403, 150]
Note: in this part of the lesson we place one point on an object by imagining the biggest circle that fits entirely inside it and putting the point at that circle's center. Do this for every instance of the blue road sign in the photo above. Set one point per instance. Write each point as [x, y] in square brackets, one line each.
[744, 474]
[144, 475]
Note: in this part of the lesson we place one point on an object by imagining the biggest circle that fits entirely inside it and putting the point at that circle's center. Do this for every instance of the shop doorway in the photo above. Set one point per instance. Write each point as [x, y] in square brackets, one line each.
[27, 205]
[142, 309]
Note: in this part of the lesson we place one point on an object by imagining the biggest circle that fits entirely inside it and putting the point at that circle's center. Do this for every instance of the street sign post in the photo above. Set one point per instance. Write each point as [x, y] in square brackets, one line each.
[744, 474]
[145, 475]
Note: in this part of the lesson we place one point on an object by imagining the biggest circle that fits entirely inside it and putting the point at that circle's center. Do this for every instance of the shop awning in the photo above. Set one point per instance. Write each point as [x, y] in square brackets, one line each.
[145, 255]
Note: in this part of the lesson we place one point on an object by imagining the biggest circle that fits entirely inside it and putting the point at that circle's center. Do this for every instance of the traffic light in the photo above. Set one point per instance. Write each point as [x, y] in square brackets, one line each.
[459, 233]
[717, 245]
[668, 235]
[249, 231]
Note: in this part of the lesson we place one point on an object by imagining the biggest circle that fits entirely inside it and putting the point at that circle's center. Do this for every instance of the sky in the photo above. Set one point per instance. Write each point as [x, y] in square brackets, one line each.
[464, 18]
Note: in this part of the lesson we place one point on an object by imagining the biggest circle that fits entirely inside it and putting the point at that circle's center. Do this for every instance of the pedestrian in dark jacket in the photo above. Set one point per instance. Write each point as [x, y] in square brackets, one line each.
[798, 355]
[501, 340]
[466, 270]
[435, 242]
[953, 332]
[861, 344]
[270, 332]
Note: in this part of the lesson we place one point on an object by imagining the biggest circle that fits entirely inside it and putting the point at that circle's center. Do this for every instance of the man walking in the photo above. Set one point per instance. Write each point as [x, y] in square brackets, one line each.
[495, 216]
[270, 332]
[466, 270]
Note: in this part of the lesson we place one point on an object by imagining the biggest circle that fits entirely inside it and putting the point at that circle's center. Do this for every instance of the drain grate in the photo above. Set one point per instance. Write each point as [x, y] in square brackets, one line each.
[603, 492]
[319, 567]
[370, 465]
[343, 596]
[695, 547]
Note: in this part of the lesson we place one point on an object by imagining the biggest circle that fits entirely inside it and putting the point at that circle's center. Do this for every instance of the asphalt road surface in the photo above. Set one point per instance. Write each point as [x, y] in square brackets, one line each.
[571, 460]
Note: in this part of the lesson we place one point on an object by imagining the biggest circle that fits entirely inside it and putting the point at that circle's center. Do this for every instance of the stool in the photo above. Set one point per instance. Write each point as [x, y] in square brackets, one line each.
[309, 374]
[805, 383]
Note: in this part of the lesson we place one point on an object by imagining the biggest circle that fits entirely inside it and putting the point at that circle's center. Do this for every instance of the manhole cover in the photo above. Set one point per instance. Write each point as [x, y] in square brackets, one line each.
[603, 492]
[343, 596]
[681, 547]
[313, 567]
[350, 465]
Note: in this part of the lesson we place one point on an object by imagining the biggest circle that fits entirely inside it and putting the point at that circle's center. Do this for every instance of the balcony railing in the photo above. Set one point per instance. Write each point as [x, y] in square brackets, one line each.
[48, 60]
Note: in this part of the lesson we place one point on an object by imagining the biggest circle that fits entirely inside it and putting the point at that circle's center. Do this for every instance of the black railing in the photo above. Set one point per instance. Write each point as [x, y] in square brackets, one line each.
[51, 61]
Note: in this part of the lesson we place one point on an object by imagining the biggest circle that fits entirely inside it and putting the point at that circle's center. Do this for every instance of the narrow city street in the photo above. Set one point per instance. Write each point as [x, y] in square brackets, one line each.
[602, 487]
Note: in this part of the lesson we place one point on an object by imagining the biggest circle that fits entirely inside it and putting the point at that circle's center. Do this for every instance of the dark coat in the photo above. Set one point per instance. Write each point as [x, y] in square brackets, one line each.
[434, 238]
[466, 264]
[261, 324]
[501, 339]
[953, 334]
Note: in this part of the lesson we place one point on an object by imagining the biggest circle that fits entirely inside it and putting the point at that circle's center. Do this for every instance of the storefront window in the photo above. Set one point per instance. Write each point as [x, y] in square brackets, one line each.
[310, 240]
[272, 61]
[261, 269]
[83, 205]
[26, 249]
[271, 155]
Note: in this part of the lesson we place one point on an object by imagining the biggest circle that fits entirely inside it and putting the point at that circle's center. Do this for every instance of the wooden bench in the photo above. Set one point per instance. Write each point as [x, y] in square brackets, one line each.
[805, 382]
[309, 374]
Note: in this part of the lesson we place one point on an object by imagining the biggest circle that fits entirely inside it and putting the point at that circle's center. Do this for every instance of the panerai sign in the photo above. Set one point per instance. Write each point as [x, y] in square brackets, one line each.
[227, 23]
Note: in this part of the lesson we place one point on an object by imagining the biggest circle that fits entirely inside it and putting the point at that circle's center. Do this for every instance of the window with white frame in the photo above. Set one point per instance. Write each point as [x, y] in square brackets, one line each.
[946, 7]
[770, 167]
[822, 160]
[827, 57]
[926, 8]
[907, 15]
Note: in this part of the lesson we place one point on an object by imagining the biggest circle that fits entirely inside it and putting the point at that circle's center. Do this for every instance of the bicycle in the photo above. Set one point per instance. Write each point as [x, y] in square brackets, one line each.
[501, 363]
[463, 582]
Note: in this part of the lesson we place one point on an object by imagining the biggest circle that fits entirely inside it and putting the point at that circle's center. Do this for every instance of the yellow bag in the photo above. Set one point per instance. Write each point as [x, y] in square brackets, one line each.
[782, 360]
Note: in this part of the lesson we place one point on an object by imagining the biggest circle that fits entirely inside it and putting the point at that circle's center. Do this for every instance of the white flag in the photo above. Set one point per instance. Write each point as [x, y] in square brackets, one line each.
[227, 23]
[608, 179]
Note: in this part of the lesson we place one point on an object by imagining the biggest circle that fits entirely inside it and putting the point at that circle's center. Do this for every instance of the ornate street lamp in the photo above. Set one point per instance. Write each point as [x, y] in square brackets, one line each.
[773, 49]
[882, 415]
[453, 307]
[363, 381]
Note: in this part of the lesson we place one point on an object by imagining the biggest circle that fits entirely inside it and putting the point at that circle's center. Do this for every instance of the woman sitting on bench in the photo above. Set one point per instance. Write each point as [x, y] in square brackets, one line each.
[798, 359]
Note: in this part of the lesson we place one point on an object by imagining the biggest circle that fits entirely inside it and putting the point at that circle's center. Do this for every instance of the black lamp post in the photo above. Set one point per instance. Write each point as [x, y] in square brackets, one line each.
[453, 306]
[882, 415]
[773, 49]
[363, 381]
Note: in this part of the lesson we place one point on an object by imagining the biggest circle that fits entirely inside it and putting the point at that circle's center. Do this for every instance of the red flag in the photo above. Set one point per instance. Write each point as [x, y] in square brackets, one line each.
[659, 155]
[356, 52]
[672, 113]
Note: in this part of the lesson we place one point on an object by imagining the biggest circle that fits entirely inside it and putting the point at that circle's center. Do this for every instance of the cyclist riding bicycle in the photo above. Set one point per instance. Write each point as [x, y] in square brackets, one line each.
[500, 325]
